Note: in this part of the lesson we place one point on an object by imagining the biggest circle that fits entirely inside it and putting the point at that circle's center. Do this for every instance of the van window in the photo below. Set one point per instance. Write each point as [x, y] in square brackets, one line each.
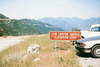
[95, 29]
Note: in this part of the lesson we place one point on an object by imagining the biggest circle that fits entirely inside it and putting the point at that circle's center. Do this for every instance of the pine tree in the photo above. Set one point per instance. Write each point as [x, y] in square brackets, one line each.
[76, 29]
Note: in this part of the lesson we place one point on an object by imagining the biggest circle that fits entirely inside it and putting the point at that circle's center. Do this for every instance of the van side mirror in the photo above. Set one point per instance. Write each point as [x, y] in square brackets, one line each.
[89, 31]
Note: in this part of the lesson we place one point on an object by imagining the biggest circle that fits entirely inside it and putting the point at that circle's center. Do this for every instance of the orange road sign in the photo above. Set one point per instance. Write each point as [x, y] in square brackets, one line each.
[65, 35]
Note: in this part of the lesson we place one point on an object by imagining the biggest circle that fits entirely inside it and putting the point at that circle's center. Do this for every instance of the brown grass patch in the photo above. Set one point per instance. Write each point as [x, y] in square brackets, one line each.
[57, 59]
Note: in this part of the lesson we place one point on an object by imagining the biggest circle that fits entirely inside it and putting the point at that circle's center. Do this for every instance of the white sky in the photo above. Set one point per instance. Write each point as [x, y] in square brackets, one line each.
[36, 9]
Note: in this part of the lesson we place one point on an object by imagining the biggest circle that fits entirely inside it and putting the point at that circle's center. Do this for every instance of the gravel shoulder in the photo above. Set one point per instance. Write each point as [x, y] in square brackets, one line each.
[86, 60]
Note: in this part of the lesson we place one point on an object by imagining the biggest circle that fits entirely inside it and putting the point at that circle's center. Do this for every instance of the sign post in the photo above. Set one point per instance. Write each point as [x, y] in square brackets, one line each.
[55, 45]
[54, 35]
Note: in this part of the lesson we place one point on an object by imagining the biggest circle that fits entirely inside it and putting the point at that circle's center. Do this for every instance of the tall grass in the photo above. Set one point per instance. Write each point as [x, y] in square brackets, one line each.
[65, 55]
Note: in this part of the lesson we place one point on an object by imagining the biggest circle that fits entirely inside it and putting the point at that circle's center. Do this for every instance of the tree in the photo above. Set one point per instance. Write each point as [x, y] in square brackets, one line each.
[76, 29]
[1, 31]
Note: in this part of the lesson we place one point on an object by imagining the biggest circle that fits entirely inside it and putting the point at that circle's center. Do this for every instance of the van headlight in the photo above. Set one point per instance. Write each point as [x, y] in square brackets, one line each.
[78, 44]
[84, 45]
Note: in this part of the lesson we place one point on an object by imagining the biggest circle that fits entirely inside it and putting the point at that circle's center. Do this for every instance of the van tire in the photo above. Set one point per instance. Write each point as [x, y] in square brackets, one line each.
[95, 52]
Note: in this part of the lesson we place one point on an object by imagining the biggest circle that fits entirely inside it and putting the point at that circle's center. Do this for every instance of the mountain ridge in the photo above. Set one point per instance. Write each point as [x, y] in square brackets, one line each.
[68, 23]
[16, 27]
[45, 28]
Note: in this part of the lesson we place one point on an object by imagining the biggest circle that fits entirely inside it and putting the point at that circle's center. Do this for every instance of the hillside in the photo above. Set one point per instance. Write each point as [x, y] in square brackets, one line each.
[68, 23]
[16, 27]
[3, 17]
[42, 27]
[23, 27]
[7, 30]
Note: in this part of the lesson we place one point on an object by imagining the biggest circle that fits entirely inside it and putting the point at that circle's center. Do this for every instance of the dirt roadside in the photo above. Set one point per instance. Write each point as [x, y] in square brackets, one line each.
[10, 40]
[5, 42]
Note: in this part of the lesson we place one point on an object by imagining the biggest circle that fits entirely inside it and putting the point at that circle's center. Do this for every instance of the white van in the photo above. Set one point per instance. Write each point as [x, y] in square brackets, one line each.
[89, 45]
[94, 31]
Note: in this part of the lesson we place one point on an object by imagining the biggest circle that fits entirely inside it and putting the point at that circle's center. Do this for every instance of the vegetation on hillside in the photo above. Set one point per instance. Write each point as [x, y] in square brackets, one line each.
[23, 28]
[15, 27]
[7, 30]
[65, 55]
[1, 31]
[3, 17]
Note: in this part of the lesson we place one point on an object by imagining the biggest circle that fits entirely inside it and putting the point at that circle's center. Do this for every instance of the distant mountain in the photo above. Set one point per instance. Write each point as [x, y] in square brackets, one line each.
[68, 23]
[45, 28]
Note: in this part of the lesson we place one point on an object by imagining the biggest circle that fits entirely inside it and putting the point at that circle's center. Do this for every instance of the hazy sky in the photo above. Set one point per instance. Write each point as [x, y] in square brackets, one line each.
[36, 9]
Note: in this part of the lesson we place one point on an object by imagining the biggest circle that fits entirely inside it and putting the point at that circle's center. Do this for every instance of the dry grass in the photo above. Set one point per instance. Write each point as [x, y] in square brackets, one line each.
[57, 59]
[4, 36]
[65, 56]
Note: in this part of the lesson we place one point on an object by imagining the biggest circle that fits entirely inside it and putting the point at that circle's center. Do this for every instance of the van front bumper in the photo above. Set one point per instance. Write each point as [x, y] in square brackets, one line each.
[85, 50]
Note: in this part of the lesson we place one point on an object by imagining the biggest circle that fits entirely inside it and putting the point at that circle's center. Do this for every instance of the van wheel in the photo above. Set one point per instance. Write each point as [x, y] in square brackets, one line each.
[96, 51]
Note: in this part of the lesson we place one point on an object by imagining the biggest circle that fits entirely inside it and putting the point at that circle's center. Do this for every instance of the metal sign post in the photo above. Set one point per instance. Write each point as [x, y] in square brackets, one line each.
[74, 44]
[55, 45]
